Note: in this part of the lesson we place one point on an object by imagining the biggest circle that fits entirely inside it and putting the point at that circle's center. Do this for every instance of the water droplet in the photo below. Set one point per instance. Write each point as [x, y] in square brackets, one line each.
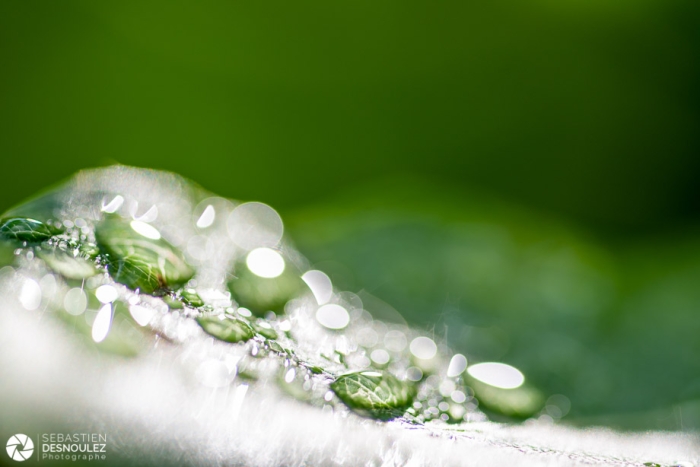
[289, 375]
[145, 229]
[191, 298]
[106, 293]
[458, 396]
[252, 225]
[148, 216]
[113, 205]
[379, 395]
[458, 364]
[102, 323]
[141, 314]
[265, 262]
[320, 285]
[67, 265]
[30, 294]
[226, 329]
[423, 348]
[207, 217]
[380, 356]
[496, 374]
[138, 261]
[264, 329]
[25, 229]
[75, 301]
[333, 316]
[414, 374]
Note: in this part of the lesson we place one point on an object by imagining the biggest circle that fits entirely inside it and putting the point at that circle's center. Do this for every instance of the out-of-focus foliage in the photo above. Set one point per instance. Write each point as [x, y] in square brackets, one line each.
[587, 108]
[614, 329]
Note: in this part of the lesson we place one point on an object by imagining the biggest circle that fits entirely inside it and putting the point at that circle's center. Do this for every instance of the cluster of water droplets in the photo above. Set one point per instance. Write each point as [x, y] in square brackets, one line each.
[130, 266]
[243, 304]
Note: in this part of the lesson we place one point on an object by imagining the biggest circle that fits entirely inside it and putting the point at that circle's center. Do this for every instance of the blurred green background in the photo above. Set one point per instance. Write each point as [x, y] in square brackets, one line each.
[519, 177]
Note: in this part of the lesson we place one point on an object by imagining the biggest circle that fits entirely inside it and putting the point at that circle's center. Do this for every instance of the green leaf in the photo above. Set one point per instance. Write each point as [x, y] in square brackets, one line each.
[226, 329]
[379, 395]
[151, 265]
[25, 229]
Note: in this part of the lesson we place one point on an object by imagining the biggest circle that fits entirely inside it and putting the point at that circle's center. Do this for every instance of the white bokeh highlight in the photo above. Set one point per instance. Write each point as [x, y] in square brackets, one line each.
[497, 374]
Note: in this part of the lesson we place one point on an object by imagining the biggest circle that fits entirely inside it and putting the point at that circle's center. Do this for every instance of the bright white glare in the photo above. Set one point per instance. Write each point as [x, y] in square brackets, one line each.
[496, 374]
[244, 312]
[148, 216]
[458, 396]
[214, 374]
[30, 294]
[380, 356]
[265, 262]
[252, 225]
[289, 376]
[333, 316]
[113, 205]
[102, 323]
[320, 285]
[141, 314]
[237, 403]
[75, 301]
[207, 217]
[146, 230]
[457, 366]
[423, 348]
[106, 293]
[371, 374]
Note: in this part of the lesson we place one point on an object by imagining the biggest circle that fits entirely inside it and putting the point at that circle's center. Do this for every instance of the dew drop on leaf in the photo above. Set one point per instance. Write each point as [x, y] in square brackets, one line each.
[377, 394]
[25, 229]
[137, 261]
[226, 329]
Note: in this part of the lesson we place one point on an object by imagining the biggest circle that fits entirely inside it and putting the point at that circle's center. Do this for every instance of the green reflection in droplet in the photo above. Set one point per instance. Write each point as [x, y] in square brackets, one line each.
[376, 394]
[25, 229]
[226, 329]
[260, 294]
[191, 298]
[264, 329]
[521, 402]
[151, 265]
[275, 347]
[67, 264]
